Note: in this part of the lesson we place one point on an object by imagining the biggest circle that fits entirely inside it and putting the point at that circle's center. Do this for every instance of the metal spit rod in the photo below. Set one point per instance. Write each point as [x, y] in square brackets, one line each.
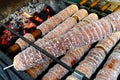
[81, 75]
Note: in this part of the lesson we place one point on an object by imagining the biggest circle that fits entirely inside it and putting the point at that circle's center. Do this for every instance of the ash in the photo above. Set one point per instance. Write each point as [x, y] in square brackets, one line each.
[17, 16]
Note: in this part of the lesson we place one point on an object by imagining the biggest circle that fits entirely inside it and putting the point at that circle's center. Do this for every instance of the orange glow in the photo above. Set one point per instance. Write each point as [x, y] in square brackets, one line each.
[48, 10]
[4, 42]
[24, 32]
[48, 16]
[6, 37]
[29, 25]
[38, 19]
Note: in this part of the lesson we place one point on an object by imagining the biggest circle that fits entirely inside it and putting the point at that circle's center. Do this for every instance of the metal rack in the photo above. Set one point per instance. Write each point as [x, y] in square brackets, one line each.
[80, 75]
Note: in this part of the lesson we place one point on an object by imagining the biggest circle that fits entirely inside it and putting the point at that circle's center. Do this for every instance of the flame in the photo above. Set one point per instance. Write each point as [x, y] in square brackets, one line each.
[48, 10]
[7, 35]
[29, 25]
[4, 42]
[38, 19]
[26, 15]
[24, 32]
[48, 16]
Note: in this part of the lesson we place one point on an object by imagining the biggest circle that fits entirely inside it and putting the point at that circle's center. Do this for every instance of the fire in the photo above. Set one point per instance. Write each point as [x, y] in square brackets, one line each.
[38, 19]
[48, 16]
[6, 38]
[48, 10]
[29, 25]
[4, 42]
[24, 32]
[24, 24]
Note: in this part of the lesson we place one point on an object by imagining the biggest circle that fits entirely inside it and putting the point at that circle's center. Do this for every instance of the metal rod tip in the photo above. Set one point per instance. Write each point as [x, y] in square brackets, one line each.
[8, 67]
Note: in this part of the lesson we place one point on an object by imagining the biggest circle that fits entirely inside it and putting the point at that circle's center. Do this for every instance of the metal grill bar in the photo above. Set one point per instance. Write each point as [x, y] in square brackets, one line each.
[47, 54]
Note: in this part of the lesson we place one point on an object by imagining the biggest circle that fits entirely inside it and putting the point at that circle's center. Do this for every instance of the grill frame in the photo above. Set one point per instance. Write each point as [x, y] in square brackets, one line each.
[8, 61]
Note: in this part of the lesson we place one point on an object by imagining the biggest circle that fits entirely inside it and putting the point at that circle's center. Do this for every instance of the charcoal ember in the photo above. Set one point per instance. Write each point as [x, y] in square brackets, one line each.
[31, 8]
[6, 37]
